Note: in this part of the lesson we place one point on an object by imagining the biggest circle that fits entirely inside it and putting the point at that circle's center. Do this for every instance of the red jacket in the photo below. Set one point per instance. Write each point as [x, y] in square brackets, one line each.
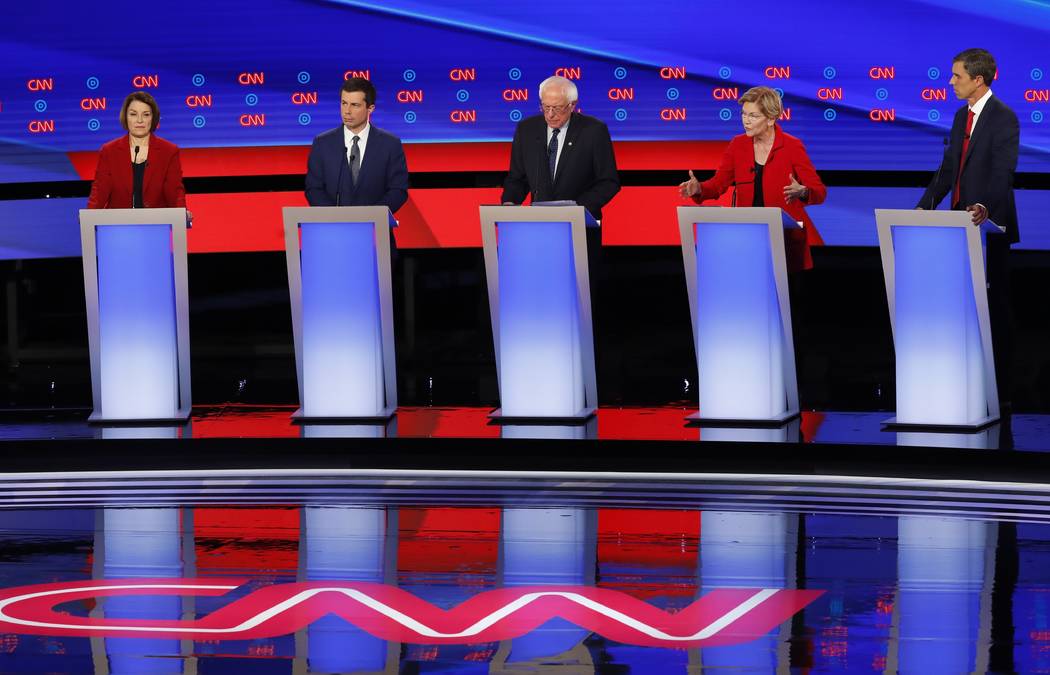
[788, 156]
[161, 187]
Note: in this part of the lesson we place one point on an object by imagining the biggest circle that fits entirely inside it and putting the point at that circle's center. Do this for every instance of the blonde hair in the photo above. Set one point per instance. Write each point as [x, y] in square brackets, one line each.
[767, 100]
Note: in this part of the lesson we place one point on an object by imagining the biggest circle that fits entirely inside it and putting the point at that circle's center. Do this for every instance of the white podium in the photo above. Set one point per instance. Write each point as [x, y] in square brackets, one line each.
[135, 288]
[933, 262]
[342, 311]
[736, 277]
[540, 301]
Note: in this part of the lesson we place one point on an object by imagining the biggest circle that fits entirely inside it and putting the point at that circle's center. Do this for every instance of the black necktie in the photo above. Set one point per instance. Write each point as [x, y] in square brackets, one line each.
[552, 153]
[355, 159]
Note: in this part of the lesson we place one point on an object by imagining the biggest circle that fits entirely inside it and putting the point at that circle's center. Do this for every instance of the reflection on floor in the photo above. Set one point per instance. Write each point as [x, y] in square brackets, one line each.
[300, 588]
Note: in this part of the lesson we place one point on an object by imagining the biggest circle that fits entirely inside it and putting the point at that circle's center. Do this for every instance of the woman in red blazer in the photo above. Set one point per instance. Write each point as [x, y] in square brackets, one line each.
[764, 155]
[139, 170]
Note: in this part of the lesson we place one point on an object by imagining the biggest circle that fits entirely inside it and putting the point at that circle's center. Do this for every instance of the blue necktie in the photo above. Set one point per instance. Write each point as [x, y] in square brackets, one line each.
[552, 153]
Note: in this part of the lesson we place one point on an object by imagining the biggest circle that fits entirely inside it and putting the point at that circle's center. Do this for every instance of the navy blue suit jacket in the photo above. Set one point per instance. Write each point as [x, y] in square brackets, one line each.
[382, 181]
[586, 170]
[988, 174]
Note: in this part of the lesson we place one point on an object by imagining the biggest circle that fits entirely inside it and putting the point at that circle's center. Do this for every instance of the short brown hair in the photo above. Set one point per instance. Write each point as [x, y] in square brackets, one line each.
[362, 85]
[767, 100]
[977, 62]
[142, 97]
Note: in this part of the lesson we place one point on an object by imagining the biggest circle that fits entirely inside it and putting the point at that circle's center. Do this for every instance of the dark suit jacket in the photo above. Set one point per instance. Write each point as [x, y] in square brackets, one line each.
[787, 158]
[161, 186]
[586, 170]
[988, 174]
[382, 181]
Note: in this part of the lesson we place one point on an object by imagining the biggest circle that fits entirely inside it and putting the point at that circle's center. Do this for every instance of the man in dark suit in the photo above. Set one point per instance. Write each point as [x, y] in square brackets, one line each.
[978, 172]
[357, 164]
[562, 154]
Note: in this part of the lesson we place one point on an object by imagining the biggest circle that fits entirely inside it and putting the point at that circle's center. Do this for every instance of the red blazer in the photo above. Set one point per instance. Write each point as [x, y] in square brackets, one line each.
[788, 156]
[161, 186]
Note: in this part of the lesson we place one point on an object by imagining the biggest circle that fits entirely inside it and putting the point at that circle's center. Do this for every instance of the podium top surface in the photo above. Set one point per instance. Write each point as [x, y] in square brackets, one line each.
[923, 218]
[738, 214]
[552, 212]
[338, 214]
[97, 217]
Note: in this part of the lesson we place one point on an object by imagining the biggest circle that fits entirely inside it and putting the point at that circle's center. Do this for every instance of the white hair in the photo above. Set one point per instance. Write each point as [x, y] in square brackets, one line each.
[566, 85]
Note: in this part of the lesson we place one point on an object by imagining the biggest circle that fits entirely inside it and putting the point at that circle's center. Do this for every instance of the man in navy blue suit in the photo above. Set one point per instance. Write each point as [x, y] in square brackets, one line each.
[357, 164]
[977, 170]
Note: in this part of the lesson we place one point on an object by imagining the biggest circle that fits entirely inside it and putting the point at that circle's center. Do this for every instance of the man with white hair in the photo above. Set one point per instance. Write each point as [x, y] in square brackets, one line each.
[562, 154]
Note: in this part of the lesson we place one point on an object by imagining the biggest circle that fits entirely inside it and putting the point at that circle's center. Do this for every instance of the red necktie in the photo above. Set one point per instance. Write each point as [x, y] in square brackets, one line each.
[962, 157]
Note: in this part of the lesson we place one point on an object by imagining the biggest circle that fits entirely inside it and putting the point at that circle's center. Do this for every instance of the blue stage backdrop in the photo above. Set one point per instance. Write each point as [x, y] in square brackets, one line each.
[864, 83]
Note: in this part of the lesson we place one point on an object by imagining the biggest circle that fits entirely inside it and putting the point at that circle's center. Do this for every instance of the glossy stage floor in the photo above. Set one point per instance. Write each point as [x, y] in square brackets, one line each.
[440, 542]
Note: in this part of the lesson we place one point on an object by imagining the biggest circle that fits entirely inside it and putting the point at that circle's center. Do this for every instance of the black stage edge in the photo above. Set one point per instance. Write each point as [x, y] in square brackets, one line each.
[753, 459]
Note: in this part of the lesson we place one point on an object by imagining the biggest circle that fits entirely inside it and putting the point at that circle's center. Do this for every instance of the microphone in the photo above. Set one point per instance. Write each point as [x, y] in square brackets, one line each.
[339, 179]
[937, 175]
[135, 160]
[736, 184]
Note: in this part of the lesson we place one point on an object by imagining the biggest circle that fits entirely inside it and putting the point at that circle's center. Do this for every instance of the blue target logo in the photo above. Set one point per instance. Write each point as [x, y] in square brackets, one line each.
[410, 117]
[620, 73]
[934, 73]
[1037, 116]
[882, 93]
[830, 114]
[725, 114]
[673, 94]
[933, 115]
[92, 82]
[514, 73]
[620, 114]
[462, 95]
[830, 72]
[198, 80]
[780, 92]
[515, 115]
[199, 121]
[304, 119]
[409, 75]
[1037, 74]
[40, 105]
[303, 77]
[94, 124]
[251, 99]
[725, 72]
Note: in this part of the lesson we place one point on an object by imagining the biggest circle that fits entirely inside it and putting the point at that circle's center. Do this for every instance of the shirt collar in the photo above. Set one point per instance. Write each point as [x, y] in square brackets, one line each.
[348, 135]
[979, 106]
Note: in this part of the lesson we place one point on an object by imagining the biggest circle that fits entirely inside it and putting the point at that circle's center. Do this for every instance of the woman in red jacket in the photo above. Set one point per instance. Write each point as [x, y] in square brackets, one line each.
[768, 168]
[139, 170]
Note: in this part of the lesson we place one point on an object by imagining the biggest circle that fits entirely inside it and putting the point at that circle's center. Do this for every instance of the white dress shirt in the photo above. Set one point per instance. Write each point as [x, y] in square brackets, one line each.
[362, 136]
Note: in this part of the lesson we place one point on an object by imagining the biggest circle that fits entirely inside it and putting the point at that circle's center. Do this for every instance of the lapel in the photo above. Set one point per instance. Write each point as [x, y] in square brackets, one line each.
[152, 164]
[568, 151]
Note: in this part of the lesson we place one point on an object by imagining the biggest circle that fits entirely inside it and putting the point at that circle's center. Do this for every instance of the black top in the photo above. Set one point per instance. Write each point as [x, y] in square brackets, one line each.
[138, 175]
[759, 200]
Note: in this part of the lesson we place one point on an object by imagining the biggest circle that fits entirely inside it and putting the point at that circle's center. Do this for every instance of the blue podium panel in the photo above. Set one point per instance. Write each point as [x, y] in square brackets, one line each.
[940, 366]
[541, 365]
[137, 329]
[547, 546]
[942, 569]
[345, 544]
[739, 338]
[933, 264]
[736, 277]
[749, 550]
[342, 311]
[342, 333]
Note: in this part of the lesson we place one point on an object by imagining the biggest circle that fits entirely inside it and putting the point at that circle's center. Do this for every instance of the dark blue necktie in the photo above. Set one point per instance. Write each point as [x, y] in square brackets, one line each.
[355, 159]
[552, 153]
